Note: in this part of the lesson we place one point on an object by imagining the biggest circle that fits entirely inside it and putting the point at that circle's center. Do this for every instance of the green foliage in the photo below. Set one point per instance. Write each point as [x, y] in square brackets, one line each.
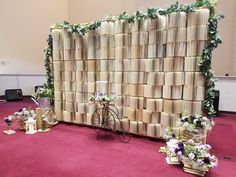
[48, 62]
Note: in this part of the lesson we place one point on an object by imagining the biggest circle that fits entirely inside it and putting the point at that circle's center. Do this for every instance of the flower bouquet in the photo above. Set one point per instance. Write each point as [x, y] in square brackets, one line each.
[197, 159]
[23, 115]
[174, 150]
[102, 97]
[195, 127]
[8, 120]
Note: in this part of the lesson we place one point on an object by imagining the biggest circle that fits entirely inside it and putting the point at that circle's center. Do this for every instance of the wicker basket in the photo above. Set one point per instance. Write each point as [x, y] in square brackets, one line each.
[197, 137]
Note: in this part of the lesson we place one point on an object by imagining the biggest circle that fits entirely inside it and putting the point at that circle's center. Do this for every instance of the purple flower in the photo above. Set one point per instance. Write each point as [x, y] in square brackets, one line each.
[20, 110]
[192, 117]
[206, 160]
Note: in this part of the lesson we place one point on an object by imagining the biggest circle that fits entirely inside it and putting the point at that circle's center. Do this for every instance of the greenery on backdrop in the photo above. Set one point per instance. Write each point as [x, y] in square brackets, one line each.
[205, 62]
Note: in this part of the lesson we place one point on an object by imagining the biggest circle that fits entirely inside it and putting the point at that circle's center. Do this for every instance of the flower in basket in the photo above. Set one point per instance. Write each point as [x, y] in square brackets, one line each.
[169, 134]
[196, 123]
[175, 148]
[44, 91]
[8, 120]
[101, 97]
[197, 156]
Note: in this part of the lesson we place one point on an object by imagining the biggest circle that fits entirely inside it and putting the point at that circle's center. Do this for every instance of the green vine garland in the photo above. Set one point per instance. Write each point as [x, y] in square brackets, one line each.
[205, 62]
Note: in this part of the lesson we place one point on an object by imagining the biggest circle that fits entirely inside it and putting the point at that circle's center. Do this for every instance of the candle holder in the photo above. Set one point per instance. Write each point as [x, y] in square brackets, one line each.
[8, 121]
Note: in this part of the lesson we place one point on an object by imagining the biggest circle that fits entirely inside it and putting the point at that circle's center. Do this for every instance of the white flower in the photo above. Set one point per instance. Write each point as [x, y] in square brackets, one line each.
[190, 141]
[186, 124]
[208, 146]
[191, 155]
[32, 111]
[199, 162]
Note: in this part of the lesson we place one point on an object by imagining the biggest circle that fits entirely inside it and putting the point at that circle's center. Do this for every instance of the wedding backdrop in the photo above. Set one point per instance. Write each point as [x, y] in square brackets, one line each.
[157, 63]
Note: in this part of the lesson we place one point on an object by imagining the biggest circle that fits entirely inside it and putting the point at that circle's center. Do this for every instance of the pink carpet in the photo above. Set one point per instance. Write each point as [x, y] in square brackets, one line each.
[73, 151]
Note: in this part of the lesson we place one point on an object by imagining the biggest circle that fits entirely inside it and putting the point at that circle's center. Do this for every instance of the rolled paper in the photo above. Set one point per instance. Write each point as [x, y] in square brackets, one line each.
[188, 93]
[57, 55]
[91, 107]
[81, 76]
[118, 124]
[168, 64]
[104, 65]
[85, 54]
[58, 86]
[171, 35]
[70, 107]
[70, 76]
[143, 24]
[91, 53]
[79, 117]
[151, 105]
[133, 127]
[178, 78]
[149, 65]
[104, 40]
[121, 40]
[158, 131]
[58, 65]
[152, 24]
[141, 130]
[120, 111]
[70, 86]
[174, 118]
[140, 88]
[181, 34]
[161, 36]
[78, 40]
[135, 38]
[191, 64]
[187, 107]
[68, 43]
[120, 52]
[89, 119]
[197, 107]
[192, 48]
[81, 107]
[177, 106]
[152, 37]
[191, 33]
[134, 101]
[176, 92]
[125, 124]
[139, 114]
[198, 79]
[81, 86]
[169, 78]
[165, 119]
[70, 65]
[121, 26]
[104, 28]
[79, 54]
[69, 54]
[70, 96]
[57, 75]
[192, 18]
[170, 49]
[152, 91]
[180, 49]
[152, 51]
[126, 77]
[158, 64]
[134, 51]
[189, 78]
[147, 116]
[134, 77]
[202, 32]
[156, 117]
[104, 53]
[131, 114]
[81, 97]
[199, 93]
[143, 38]
[111, 27]
[151, 130]
[126, 100]
[135, 65]
[111, 53]
[119, 77]
[111, 41]
[119, 100]
[58, 95]
[68, 116]
[59, 115]
[161, 24]
[182, 19]
[167, 92]
[161, 51]
[91, 65]
[200, 47]
[142, 51]
[172, 19]
[203, 16]
[119, 65]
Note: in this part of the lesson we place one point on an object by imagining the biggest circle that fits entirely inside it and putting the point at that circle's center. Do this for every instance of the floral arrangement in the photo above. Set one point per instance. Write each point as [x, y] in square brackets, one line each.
[24, 114]
[8, 120]
[198, 157]
[101, 97]
[44, 91]
[175, 148]
[196, 123]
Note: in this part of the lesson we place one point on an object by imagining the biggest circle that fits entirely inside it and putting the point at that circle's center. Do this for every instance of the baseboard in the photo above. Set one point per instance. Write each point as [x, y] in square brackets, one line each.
[227, 112]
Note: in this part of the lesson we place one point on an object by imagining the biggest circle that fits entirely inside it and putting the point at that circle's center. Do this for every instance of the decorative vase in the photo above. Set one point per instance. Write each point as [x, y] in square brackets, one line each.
[44, 102]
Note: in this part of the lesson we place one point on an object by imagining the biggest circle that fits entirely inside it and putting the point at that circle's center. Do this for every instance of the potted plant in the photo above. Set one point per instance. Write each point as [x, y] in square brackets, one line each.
[44, 96]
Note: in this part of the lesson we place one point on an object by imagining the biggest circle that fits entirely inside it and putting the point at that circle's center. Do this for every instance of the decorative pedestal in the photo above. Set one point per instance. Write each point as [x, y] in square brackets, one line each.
[9, 132]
